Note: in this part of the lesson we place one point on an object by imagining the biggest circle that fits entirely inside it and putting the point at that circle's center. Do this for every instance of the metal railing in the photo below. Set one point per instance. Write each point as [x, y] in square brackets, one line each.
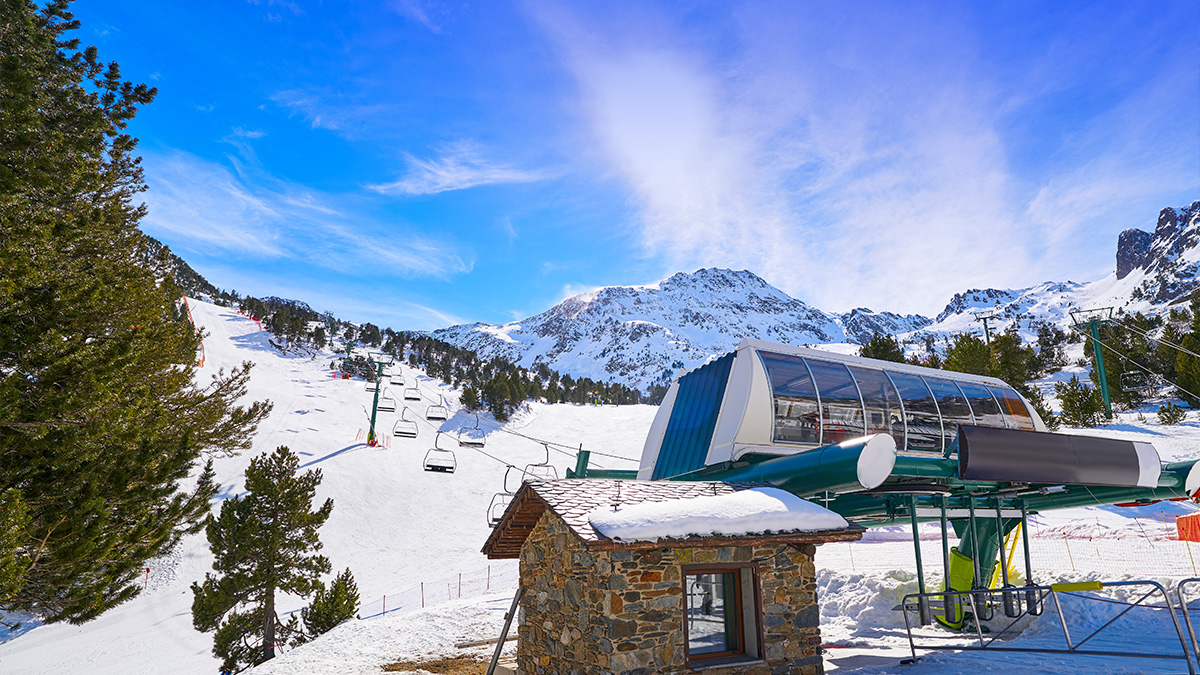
[1021, 601]
[1187, 619]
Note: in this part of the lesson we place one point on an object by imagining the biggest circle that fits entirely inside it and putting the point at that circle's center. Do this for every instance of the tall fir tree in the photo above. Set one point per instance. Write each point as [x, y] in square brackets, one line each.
[100, 422]
[265, 542]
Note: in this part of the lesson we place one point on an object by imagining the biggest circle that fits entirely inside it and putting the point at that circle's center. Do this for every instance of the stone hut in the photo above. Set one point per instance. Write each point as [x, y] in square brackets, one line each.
[718, 603]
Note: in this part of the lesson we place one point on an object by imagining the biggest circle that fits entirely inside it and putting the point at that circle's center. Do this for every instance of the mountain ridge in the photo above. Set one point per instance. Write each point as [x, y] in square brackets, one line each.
[642, 335]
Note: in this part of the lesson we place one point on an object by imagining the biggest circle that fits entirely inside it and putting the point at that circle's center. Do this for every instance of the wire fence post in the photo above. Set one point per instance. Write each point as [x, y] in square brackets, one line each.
[489, 579]
[422, 593]
[384, 605]
[1068, 545]
[460, 584]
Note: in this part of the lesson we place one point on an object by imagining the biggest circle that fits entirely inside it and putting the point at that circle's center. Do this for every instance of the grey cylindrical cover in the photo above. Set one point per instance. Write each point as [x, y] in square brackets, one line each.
[986, 453]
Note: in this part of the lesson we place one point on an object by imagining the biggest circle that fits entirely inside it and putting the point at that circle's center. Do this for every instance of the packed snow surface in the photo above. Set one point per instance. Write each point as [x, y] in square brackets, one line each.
[746, 512]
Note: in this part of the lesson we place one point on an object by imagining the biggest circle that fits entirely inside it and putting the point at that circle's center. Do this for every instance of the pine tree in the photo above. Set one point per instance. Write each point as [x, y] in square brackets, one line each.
[100, 421]
[968, 354]
[331, 607]
[883, 347]
[1187, 367]
[265, 542]
[1081, 404]
[14, 519]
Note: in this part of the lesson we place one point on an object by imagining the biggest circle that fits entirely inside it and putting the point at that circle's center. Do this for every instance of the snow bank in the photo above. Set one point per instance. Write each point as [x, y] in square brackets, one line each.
[744, 512]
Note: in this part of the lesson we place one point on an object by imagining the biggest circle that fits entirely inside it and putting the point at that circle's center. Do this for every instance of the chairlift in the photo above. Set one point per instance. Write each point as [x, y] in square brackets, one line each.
[386, 404]
[373, 386]
[497, 508]
[440, 460]
[437, 411]
[541, 470]
[501, 500]
[1136, 381]
[404, 427]
[412, 394]
[396, 378]
[472, 437]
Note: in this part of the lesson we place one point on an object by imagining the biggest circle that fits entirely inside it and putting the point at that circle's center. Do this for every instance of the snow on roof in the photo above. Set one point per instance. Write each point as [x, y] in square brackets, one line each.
[753, 511]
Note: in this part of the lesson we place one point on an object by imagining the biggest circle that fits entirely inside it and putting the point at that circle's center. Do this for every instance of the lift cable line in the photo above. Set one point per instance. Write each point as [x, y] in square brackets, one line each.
[1150, 337]
[569, 451]
[1126, 358]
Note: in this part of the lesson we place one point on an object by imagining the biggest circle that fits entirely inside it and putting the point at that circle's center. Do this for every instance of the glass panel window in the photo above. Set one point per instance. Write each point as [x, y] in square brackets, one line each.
[713, 609]
[1013, 407]
[921, 417]
[796, 409]
[952, 404]
[882, 403]
[841, 408]
[987, 412]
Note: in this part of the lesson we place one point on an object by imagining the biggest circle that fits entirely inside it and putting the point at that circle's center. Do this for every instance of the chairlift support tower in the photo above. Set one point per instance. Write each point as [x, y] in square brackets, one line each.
[1092, 318]
[983, 316]
[380, 360]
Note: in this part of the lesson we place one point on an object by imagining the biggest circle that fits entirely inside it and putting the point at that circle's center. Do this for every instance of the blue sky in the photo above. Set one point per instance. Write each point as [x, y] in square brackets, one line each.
[419, 164]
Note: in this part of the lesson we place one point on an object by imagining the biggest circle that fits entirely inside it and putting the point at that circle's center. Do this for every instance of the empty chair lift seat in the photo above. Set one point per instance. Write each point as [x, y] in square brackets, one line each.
[405, 428]
[437, 411]
[440, 460]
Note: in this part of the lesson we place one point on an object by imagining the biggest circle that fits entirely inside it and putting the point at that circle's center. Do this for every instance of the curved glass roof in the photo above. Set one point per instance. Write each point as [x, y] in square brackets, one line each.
[821, 402]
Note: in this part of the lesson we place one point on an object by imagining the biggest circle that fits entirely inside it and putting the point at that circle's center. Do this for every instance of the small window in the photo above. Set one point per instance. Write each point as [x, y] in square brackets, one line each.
[721, 614]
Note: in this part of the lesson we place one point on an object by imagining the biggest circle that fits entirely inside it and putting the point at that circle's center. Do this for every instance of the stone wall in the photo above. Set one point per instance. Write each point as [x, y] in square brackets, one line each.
[623, 611]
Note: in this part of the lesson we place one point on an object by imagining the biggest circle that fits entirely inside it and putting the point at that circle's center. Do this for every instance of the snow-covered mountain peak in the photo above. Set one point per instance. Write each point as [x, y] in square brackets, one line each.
[641, 335]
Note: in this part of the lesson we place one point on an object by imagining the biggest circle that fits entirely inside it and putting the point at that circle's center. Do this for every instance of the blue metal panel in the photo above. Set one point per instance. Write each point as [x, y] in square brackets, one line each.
[693, 419]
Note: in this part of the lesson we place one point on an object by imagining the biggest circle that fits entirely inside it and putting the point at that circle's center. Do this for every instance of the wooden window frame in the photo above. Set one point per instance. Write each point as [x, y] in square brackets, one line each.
[711, 659]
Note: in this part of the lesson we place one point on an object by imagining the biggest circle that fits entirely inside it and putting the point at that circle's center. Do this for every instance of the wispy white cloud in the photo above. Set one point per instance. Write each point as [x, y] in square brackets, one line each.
[246, 212]
[416, 10]
[847, 161]
[457, 166]
[334, 112]
[248, 133]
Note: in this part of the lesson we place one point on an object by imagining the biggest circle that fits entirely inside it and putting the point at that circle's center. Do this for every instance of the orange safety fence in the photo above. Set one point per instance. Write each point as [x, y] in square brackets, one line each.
[1188, 527]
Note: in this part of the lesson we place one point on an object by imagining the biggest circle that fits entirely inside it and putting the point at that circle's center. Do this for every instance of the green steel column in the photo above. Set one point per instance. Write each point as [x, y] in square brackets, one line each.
[375, 403]
[922, 603]
[581, 463]
[1098, 350]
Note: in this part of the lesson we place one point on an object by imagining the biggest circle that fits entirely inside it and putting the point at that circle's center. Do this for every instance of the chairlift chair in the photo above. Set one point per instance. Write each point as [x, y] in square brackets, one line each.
[472, 437]
[1136, 380]
[403, 427]
[541, 470]
[497, 508]
[387, 404]
[396, 378]
[440, 460]
[412, 394]
[373, 386]
[437, 411]
[501, 500]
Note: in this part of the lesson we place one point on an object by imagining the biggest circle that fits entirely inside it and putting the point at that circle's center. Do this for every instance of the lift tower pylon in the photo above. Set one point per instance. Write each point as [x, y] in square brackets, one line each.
[1092, 318]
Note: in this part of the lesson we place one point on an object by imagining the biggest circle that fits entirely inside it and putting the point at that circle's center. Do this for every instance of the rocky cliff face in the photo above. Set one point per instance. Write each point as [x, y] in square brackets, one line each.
[1168, 259]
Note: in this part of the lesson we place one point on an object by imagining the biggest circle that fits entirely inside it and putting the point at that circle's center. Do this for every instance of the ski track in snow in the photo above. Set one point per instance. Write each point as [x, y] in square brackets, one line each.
[395, 526]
